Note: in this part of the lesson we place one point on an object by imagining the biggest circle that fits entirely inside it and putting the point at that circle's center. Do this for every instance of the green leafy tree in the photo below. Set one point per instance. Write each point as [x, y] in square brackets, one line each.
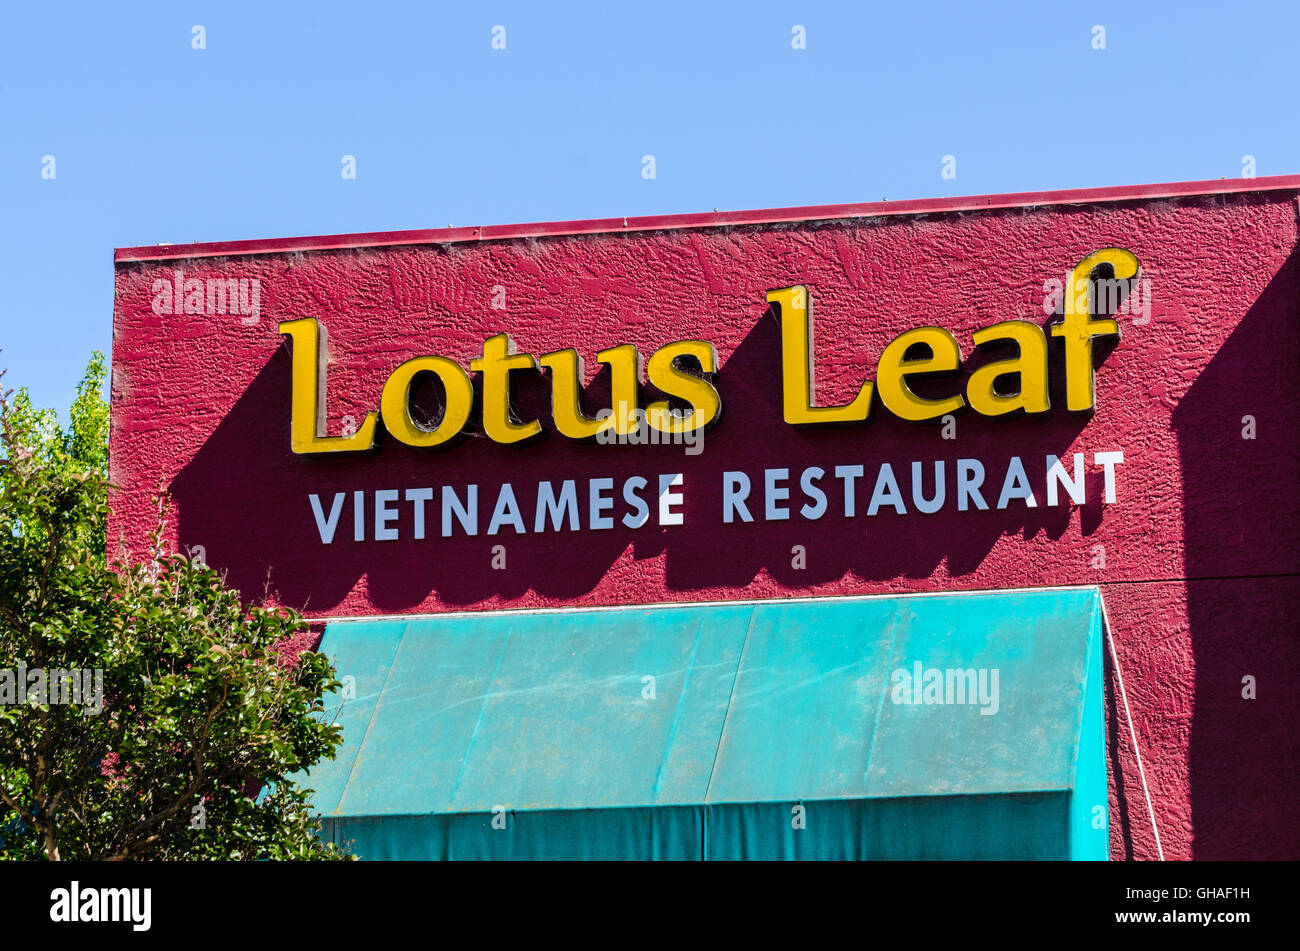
[145, 711]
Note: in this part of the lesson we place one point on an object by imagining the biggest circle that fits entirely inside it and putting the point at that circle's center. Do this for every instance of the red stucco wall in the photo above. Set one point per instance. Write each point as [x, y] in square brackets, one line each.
[1201, 553]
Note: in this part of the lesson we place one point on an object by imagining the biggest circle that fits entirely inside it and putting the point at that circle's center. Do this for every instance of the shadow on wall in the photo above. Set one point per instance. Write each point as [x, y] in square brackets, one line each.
[244, 498]
[1242, 528]
[1115, 722]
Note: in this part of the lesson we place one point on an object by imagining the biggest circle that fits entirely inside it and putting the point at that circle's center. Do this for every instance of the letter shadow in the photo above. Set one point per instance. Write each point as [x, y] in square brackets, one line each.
[244, 497]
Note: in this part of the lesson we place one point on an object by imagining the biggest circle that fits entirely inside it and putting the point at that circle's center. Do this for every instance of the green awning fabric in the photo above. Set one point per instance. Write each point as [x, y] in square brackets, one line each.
[914, 727]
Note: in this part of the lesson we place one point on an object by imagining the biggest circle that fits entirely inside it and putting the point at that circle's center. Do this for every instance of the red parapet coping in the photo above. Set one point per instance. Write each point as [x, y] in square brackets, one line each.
[716, 219]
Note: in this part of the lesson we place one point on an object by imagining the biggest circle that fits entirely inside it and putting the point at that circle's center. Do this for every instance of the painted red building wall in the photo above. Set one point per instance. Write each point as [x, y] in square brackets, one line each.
[1197, 558]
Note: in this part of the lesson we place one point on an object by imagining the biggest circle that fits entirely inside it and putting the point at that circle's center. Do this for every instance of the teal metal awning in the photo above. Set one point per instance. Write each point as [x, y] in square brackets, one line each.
[914, 727]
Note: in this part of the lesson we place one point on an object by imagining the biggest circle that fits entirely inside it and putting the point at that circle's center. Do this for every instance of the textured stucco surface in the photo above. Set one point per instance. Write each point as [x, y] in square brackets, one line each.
[201, 408]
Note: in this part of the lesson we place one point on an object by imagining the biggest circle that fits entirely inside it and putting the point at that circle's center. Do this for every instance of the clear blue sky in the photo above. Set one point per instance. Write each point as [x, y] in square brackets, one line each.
[156, 141]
